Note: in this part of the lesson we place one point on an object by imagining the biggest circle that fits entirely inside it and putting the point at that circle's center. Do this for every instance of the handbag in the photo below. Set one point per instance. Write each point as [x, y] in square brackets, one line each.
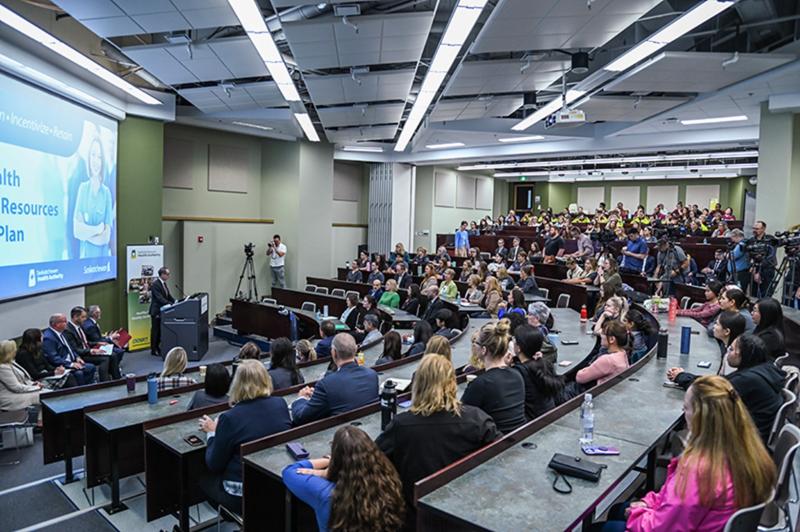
[573, 466]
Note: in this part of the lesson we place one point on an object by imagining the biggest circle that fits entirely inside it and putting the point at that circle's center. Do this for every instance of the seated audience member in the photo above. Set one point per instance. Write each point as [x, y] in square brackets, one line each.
[377, 290]
[215, 388]
[448, 288]
[614, 337]
[639, 330]
[91, 327]
[392, 348]
[413, 301]
[522, 260]
[371, 332]
[493, 296]
[542, 385]
[505, 280]
[249, 351]
[608, 276]
[430, 278]
[283, 365]
[502, 250]
[756, 380]
[107, 366]
[354, 275]
[363, 261]
[466, 271]
[351, 386]
[174, 365]
[357, 488]
[443, 319]
[768, 317]
[717, 269]
[352, 314]
[732, 298]
[399, 253]
[704, 486]
[327, 330]
[17, 389]
[390, 297]
[514, 251]
[474, 293]
[435, 304]
[709, 310]
[402, 277]
[305, 351]
[574, 272]
[721, 230]
[437, 430]
[514, 303]
[32, 359]
[255, 414]
[439, 345]
[527, 283]
[422, 333]
[375, 274]
[58, 352]
[614, 309]
[499, 391]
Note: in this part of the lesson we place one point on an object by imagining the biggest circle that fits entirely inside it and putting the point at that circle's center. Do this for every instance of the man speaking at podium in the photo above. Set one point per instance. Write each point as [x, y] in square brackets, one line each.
[159, 296]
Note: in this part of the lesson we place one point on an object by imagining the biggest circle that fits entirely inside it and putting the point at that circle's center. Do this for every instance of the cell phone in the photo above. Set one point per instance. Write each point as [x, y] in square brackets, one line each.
[193, 440]
[670, 384]
[297, 450]
[569, 342]
[704, 364]
[404, 404]
[592, 450]
[564, 363]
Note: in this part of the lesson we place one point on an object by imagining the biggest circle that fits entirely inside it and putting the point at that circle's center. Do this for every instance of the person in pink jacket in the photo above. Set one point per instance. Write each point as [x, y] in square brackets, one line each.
[704, 488]
[614, 336]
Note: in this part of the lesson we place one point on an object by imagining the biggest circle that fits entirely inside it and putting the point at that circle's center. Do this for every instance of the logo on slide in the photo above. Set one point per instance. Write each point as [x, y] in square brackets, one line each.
[133, 254]
[31, 278]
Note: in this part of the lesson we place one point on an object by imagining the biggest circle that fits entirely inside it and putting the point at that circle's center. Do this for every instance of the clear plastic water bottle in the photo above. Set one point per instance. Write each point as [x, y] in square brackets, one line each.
[587, 420]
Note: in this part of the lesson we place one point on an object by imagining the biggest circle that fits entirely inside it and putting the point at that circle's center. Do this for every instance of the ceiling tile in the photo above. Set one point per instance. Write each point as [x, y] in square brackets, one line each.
[213, 17]
[157, 61]
[144, 7]
[113, 26]
[375, 86]
[86, 9]
[626, 108]
[356, 134]
[474, 108]
[359, 115]
[503, 76]
[161, 22]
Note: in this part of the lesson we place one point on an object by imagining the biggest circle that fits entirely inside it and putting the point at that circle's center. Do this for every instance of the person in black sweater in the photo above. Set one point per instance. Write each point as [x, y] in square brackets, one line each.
[422, 333]
[437, 430]
[768, 317]
[283, 364]
[542, 385]
[499, 391]
[757, 380]
[215, 388]
[392, 348]
[31, 358]
[412, 302]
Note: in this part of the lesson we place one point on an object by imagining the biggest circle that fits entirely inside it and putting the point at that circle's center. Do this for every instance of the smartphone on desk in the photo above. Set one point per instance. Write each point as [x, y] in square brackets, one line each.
[297, 450]
[194, 440]
[569, 342]
[593, 450]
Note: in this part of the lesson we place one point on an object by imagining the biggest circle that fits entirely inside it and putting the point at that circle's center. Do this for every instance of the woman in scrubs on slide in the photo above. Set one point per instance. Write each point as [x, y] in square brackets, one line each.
[93, 213]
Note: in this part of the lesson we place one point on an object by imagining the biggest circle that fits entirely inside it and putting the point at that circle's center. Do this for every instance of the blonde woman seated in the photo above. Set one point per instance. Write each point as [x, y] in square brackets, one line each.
[474, 293]
[448, 288]
[390, 297]
[17, 389]
[439, 345]
[493, 296]
[174, 365]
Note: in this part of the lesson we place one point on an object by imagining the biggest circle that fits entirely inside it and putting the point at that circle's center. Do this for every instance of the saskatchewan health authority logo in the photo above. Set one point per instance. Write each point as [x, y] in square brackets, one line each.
[31, 278]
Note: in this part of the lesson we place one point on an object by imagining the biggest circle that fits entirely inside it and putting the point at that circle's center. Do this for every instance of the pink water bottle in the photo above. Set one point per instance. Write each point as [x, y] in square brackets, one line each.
[673, 309]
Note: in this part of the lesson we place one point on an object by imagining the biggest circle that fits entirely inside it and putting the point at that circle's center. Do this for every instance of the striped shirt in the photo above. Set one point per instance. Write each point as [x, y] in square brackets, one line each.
[174, 381]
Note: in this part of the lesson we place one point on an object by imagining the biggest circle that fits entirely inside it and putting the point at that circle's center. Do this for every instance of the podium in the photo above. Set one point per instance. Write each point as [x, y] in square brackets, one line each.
[185, 324]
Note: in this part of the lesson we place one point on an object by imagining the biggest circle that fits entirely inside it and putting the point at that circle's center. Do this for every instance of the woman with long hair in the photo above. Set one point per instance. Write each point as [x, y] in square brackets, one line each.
[17, 389]
[706, 484]
[174, 365]
[413, 301]
[439, 345]
[392, 348]
[430, 278]
[357, 489]
[492, 296]
[614, 309]
[422, 333]
[437, 430]
[31, 357]
[733, 298]
[499, 391]
[706, 312]
[542, 385]
[283, 364]
[474, 293]
[305, 351]
[768, 317]
[514, 303]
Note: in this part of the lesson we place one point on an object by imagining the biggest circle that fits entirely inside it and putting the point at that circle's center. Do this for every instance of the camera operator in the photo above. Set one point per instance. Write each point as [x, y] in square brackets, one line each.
[634, 254]
[672, 265]
[276, 251]
[763, 270]
[739, 262]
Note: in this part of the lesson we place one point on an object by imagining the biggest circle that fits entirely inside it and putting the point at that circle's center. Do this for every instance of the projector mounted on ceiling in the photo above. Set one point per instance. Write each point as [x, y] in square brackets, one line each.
[565, 118]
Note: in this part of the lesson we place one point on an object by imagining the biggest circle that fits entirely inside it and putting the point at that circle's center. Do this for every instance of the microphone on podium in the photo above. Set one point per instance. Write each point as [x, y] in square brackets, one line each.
[180, 289]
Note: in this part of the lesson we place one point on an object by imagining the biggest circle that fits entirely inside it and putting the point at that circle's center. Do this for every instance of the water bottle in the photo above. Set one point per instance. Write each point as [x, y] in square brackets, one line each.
[388, 403]
[587, 420]
[663, 340]
[584, 314]
[152, 389]
[673, 309]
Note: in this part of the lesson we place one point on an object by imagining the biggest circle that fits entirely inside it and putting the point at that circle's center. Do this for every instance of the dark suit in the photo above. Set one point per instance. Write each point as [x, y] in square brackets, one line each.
[159, 296]
[354, 318]
[95, 336]
[350, 387]
[719, 269]
[512, 254]
[503, 252]
[58, 353]
[403, 281]
[430, 313]
[106, 365]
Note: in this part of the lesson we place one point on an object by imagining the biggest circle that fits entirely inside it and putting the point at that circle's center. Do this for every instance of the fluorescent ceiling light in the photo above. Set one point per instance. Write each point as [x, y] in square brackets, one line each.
[463, 19]
[716, 120]
[257, 126]
[674, 30]
[365, 149]
[521, 139]
[37, 34]
[252, 21]
[308, 128]
[550, 108]
[444, 145]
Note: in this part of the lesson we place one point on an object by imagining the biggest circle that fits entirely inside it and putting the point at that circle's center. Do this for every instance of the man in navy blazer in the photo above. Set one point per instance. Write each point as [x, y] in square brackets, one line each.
[58, 353]
[327, 330]
[350, 387]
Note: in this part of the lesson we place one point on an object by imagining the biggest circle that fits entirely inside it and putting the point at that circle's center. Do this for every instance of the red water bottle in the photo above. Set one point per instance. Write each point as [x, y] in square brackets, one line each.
[584, 314]
[673, 309]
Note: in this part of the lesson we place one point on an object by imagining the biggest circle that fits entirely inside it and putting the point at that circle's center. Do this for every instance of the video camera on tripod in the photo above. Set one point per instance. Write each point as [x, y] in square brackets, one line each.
[670, 232]
[248, 272]
[249, 249]
[790, 240]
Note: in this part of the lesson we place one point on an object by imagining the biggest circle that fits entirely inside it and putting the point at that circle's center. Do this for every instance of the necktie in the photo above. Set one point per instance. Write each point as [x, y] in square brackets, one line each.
[63, 341]
[83, 336]
[166, 289]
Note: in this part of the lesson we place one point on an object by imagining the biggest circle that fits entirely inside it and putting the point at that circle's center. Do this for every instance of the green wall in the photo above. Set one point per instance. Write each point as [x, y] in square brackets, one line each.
[139, 205]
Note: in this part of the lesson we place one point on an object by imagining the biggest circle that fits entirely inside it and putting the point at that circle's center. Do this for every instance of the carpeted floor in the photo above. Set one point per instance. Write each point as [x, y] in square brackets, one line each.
[142, 362]
[30, 467]
[89, 522]
[33, 505]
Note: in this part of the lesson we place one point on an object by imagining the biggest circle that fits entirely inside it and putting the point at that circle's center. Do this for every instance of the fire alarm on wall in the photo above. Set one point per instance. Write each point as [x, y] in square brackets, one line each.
[200, 239]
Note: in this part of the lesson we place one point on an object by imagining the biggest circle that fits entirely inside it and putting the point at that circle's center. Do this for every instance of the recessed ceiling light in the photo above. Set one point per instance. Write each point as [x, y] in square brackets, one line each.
[444, 145]
[715, 120]
[257, 126]
[365, 149]
[308, 127]
[521, 139]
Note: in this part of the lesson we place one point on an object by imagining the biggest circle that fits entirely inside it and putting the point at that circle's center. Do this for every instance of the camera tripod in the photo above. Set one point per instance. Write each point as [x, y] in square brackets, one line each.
[788, 269]
[249, 270]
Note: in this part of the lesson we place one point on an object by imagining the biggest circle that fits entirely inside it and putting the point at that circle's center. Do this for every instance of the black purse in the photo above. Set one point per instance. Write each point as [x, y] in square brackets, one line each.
[573, 466]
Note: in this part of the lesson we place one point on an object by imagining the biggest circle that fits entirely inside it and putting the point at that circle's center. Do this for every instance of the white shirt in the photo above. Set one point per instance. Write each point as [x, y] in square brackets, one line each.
[276, 260]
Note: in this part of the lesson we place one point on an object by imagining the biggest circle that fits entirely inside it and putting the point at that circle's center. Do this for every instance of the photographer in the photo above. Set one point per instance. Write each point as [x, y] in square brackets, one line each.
[739, 262]
[276, 251]
[763, 261]
[634, 254]
[672, 265]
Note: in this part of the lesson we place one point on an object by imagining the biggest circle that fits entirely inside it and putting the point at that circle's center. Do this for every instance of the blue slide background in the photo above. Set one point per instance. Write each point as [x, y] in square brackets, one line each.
[57, 225]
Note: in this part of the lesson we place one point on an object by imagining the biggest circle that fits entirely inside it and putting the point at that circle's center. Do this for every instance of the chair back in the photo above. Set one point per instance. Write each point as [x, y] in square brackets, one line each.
[358, 296]
[563, 301]
[789, 400]
[322, 289]
[695, 305]
[311, 288]
[269, 300]
[786, 446]
[308, 305]
[545, 292]
[781, 359]
[685, 300]
[747, 519]
[338, 292]
[792, 381]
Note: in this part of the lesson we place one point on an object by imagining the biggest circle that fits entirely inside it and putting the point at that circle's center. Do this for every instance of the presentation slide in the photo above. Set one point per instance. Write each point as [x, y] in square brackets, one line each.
[58, 192]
